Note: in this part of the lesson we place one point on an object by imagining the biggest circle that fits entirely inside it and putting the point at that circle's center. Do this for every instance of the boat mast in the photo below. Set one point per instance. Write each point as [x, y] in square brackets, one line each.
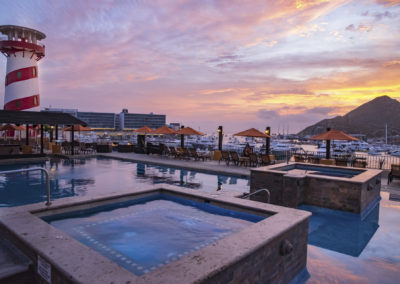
[386, 133]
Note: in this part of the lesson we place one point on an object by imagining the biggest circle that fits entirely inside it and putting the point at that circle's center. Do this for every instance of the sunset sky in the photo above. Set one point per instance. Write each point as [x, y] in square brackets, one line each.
[204, 63]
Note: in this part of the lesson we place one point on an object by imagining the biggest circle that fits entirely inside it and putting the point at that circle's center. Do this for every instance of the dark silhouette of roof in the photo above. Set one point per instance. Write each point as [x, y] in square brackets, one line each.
[35, 117]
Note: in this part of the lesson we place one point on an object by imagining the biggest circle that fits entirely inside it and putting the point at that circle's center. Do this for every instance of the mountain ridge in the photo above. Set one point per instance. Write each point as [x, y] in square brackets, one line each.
[369, 118]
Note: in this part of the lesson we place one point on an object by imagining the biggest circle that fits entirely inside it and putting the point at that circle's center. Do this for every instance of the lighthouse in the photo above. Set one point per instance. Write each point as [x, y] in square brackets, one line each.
[23, 51]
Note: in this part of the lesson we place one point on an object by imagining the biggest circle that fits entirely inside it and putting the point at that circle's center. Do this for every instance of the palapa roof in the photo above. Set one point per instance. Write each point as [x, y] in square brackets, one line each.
[163, 130]
[144, 129]
[334, 134]
[36, 117]
[252, 132]
[188, 131]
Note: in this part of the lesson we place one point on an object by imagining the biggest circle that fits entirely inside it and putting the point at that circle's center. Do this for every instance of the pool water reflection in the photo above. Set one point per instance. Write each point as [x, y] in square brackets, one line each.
[346, 249]
[77, 177]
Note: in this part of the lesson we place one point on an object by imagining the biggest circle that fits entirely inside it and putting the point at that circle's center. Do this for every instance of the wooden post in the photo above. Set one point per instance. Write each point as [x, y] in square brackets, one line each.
[182, 139]
[328, 147]
[220, 137]
[27, 135]
[72, 140]
[41, 139]
[268, 140]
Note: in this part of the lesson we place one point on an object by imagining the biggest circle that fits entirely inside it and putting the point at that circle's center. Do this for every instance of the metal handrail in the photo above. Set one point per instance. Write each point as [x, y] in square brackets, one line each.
[257, 191]
[30, 170]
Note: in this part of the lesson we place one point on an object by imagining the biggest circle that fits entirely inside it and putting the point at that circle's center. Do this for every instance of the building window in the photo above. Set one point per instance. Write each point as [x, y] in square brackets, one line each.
[19, 75]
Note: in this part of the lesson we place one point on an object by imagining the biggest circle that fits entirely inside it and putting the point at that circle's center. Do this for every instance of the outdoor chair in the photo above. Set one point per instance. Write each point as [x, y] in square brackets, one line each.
[360, 164]
[328, 162]
[173, 152]
[314, 160]
[225, 157]
[193, 154]
[264, 160]
[183, 153]
[341, 162]
[394, 172]
[299, 158]
[253, 160]
[234, 157]
[166, 151]
[272, 159]
[66, 147]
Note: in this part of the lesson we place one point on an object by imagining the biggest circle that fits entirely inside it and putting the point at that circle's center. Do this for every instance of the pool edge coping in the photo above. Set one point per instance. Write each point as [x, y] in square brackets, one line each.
[42, 249]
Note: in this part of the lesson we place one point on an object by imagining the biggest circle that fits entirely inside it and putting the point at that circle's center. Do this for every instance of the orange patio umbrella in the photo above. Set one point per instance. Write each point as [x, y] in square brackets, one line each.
[163, 130]
[187, 131]
[144, 130]
[252, 132]
[332, 134]
[11, 127]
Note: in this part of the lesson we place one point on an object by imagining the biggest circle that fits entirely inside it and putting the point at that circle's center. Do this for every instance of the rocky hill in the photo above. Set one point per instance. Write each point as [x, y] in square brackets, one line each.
[369, 119]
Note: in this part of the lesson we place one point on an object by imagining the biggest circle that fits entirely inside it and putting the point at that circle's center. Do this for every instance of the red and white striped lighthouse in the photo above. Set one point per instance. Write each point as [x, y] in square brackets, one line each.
[23, 52]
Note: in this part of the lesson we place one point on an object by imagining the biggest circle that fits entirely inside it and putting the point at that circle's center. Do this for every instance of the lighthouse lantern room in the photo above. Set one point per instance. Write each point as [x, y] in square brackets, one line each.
[23, 51]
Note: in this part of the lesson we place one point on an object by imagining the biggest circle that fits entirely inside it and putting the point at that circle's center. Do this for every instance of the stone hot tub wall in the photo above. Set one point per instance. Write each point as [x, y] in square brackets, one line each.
[346, 194]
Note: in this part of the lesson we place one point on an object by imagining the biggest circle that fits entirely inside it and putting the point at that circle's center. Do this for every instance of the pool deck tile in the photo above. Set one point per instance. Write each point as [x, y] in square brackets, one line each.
[203, 166]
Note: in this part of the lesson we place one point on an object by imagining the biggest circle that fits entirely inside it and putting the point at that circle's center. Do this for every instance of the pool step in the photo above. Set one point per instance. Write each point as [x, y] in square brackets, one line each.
[14, 265]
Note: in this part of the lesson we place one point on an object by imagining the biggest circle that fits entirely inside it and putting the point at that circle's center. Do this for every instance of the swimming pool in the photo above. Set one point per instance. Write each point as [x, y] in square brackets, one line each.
[144, 234]
[343, 248]
[78, 177]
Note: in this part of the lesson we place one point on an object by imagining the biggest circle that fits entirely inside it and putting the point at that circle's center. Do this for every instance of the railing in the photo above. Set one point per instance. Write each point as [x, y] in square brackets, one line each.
[247, 195]
[30, 170]
[383, 162]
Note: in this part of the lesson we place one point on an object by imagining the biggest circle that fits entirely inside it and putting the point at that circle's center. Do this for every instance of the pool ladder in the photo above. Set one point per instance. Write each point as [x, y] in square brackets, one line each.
[30, 170]
[247, 195]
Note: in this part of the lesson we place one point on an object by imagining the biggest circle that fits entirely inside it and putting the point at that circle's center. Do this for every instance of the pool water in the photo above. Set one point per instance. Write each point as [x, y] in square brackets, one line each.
[345, 249]
[78, 177]
[147, 233]
[317, 170]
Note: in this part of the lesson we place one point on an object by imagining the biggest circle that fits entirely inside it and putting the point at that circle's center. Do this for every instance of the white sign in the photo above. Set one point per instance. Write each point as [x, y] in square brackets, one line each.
[44, 269]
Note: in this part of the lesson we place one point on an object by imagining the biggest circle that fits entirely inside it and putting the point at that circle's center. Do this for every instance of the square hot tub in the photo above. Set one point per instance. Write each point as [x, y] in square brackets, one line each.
[339, 188]
[168, 234]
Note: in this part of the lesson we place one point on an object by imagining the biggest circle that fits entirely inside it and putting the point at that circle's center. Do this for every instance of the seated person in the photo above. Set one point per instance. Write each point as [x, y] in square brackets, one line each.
[247, 150]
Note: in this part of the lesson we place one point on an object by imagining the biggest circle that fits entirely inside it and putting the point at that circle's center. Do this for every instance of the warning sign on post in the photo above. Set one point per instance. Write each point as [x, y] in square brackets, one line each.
[44, 269]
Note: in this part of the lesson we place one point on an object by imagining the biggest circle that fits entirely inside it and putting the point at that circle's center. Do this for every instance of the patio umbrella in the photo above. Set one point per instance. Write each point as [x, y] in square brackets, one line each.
[163, 130]
[11, 127]
[78, 128]
[252, 132]
[187, 131]
[332, 134]
[144, 130]
[141, 139]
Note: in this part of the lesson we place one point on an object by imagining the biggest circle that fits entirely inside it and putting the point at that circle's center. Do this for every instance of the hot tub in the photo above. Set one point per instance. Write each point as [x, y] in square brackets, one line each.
[168, 234]
[338, 188]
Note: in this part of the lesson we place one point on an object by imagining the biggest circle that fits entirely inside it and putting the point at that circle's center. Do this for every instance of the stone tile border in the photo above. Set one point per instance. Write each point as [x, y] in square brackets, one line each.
[75, 262]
